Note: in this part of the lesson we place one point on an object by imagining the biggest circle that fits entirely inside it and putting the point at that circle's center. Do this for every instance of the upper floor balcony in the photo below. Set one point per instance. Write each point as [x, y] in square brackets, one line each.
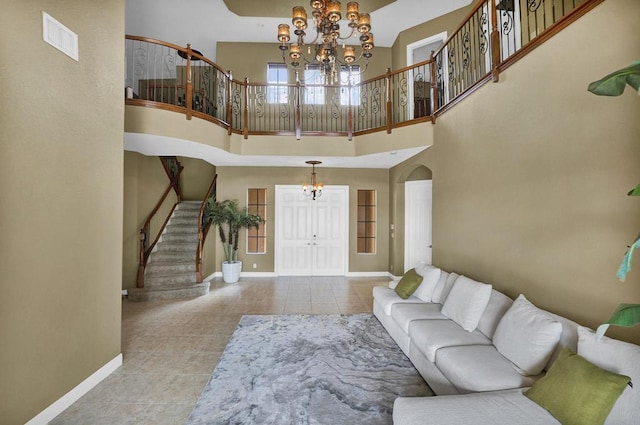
[493, 35]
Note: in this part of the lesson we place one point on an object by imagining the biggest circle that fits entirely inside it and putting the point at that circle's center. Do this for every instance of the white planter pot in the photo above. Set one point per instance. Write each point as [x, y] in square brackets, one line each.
[231, 271]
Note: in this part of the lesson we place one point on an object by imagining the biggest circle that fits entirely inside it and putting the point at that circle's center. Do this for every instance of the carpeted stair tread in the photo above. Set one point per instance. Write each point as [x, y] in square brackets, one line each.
[177, 291]
[171, 269]
[183, 228]
[182, 238]
[176, 246]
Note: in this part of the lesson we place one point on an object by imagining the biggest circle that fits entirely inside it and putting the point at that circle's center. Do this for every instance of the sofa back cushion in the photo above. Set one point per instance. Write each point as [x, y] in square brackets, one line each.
[445, 283]
[618, 357]
[568, 337]
[527, 336]
[466, 302]
[496, 308]
[430, 277]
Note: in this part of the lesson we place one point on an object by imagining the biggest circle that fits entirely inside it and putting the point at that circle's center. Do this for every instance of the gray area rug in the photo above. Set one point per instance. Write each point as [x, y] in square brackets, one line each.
[308, 370]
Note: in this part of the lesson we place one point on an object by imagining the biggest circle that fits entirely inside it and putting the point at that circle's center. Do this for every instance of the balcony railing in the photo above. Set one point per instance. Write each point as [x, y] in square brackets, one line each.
[493, 35]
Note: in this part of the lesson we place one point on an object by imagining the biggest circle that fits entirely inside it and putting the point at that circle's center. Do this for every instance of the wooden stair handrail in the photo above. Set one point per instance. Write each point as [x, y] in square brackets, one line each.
[165, 165]
[203, 231]
[144, 230]
[497, 65]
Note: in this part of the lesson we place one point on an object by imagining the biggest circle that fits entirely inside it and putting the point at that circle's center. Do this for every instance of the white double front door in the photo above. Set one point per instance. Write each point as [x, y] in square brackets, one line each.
[311, 236]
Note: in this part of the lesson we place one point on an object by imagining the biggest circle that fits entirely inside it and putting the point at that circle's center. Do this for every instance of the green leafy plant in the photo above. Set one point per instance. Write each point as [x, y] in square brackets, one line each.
[614, 84]
[230, 219]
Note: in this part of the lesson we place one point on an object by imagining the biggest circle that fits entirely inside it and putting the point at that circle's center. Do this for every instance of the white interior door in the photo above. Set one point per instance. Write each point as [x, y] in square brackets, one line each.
[417, 222]
[312, 236]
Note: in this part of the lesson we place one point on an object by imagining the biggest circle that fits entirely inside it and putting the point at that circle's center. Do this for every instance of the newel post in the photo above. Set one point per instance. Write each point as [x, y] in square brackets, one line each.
[245, 123]
[140, 277]
[434, 87]
[495, 43]
[189, 95]
[199, 259]
[229, 105]
[389, 117]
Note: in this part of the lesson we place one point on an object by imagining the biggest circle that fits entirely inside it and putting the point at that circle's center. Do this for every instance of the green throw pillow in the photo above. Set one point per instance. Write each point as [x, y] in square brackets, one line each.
[408, 284]
[577, 392]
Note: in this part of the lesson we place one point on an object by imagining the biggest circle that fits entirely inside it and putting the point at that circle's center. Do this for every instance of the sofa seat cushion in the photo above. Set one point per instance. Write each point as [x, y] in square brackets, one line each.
[404, 313]
[386, 297]
[475, 368]
[429, 336]
[509, 407]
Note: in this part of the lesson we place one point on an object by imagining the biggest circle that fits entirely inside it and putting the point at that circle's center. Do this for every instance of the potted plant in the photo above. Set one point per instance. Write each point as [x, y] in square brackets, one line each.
[614, 85]
[230, 219]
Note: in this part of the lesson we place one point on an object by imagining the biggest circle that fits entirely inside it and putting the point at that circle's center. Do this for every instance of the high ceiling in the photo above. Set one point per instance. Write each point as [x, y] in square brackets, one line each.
[283, 7]
[203, 23]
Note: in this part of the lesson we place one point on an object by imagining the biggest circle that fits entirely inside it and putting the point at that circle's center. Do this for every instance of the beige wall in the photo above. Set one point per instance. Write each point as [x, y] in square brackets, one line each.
[145, 182]
[530, 175]
[196, 178]
[233, 183]
[61, 210]
[250, 60]
[448, 22]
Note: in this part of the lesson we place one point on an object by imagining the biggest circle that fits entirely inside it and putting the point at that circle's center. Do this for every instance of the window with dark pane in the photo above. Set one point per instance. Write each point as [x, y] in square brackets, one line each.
[366, 221]
[257, 204]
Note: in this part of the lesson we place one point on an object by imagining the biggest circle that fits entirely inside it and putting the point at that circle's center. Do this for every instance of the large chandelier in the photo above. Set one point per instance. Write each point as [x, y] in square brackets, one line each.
[326, 18]
[313, 189]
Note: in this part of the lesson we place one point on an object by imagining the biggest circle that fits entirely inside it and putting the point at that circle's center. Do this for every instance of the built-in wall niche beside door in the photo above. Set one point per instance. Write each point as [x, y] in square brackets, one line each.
[311, 236]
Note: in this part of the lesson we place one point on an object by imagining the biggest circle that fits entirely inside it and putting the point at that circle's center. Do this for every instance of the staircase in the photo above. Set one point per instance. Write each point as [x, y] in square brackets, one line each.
[171, 269]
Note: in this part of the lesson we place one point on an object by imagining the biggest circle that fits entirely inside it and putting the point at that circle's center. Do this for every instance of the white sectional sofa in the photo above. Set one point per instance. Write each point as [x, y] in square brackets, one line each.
[479, 351]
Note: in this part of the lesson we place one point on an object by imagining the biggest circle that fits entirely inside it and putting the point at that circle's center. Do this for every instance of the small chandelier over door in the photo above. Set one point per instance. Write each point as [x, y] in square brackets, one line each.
[313, 189]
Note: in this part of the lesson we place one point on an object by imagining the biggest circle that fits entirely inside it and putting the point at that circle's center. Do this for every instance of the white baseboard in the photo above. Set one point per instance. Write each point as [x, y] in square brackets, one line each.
[273, 274]
[256, 274]
[72, 396]
[212, 276]
[368, 274]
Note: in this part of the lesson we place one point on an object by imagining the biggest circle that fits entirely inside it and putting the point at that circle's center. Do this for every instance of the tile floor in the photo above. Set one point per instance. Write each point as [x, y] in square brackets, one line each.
[170, 348]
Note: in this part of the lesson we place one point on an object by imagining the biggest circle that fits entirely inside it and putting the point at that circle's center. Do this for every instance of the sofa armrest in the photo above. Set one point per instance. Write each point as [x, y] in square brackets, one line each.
[393, 284]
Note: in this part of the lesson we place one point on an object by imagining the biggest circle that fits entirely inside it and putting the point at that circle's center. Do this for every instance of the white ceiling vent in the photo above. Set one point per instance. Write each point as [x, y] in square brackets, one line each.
[59, 36]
